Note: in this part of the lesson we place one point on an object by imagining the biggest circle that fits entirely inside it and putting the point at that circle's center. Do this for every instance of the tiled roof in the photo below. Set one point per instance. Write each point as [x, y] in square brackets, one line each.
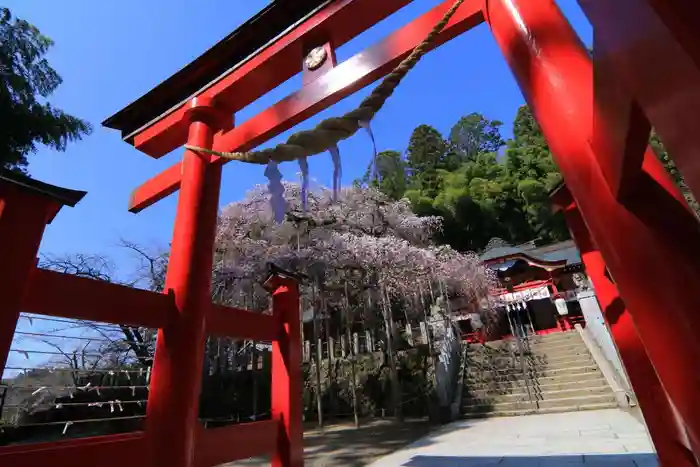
[554, 252]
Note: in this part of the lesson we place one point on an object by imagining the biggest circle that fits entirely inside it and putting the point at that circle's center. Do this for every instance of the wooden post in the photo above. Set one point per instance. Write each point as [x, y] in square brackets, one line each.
[424, 333]
[331, 350]
[173, 401]
[307, 351]
[286, 373]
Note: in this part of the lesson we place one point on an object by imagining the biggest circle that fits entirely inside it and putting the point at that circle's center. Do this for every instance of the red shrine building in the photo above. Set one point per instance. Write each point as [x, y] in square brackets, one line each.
[539, 293]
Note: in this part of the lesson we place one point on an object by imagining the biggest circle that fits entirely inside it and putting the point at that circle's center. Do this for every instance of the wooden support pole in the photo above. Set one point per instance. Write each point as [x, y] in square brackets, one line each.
[286, 374]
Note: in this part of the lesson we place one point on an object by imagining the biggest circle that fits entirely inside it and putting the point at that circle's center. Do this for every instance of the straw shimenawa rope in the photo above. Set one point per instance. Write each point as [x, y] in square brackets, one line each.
[332, 130]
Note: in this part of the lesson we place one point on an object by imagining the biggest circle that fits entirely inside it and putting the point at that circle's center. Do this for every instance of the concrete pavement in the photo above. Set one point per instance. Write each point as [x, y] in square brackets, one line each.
[611, 438]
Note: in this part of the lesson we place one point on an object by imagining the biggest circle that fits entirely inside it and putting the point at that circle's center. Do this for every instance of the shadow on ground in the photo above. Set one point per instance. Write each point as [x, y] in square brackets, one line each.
[592, 460]
[347, 446]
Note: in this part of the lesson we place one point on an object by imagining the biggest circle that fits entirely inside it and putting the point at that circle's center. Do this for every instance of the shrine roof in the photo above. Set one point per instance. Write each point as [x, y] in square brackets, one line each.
[561, 252]
[63, 196]
[235, 48]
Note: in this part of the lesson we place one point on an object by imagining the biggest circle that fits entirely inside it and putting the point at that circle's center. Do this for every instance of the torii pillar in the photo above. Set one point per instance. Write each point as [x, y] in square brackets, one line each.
[555, 73]
[666, 430]
[26, 207]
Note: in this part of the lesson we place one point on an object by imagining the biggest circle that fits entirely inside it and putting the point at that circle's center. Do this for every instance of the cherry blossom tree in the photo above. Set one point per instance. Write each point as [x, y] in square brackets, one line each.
[362, 231]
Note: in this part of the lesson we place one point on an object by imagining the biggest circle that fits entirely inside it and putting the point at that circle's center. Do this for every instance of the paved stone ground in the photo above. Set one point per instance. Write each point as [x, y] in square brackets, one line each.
[343, 445]
[611, 438]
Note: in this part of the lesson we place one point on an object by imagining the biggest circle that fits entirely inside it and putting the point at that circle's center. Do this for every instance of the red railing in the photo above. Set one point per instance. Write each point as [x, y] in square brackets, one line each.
[61, 295]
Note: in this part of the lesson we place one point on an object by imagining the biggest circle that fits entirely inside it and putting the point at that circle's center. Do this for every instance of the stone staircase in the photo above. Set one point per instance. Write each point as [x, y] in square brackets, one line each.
[556, 373]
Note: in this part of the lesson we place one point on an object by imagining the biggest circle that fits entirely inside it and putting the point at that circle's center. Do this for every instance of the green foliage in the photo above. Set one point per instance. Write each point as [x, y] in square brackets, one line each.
[424, 157]
[479, 194]
[489, 196]
[531, 174]
[391, 174]
[26, 80]
[662, 154]
[473, 135]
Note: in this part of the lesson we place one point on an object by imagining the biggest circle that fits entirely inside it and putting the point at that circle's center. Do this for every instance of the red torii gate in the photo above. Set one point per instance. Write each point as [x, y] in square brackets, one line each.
[596, 124]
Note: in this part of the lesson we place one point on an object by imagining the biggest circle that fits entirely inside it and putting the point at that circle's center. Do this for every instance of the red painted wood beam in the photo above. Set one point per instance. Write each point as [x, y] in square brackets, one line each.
[339, 22]
[223, 321]
[620, 129]
[67, 296]
[554, 71]
[668, 436]
[338, 83]
[215, 446]
[105, 451]
[660, 70]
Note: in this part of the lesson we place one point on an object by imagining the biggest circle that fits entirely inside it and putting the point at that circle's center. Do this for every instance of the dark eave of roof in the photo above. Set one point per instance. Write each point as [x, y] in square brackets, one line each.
[235, 48]
[528, 258]
[63, 196]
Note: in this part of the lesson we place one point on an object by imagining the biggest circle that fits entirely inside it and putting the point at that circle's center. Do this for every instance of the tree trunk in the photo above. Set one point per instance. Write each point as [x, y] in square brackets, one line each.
[388, 325]
[254, 377]
[353, 378]
[331, 373]
[317, 360]
[351, 352]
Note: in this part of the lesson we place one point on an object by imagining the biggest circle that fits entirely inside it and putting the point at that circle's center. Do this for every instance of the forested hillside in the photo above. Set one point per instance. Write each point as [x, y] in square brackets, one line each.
[481, 184]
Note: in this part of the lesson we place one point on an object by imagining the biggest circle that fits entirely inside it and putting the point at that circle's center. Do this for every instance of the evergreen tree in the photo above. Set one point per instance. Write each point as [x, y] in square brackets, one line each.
[531, 175]
[474, 134]
[424, 157]
[26, 80]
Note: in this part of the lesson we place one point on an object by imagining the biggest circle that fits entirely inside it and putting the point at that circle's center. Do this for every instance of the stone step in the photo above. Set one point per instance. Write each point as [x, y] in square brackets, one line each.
[608, 398]
[506, 363]
[510, 374]
[585, 380]
[553, 350]
[547, 338]
[515, 413]
[527, 356]
[574, 377]
[486, 398]
[569, 339]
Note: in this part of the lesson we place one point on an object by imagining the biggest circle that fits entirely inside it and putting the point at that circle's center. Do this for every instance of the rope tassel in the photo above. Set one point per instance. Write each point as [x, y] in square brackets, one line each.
[304, 166]
[365, 124]
[337, 170]
[276, 189]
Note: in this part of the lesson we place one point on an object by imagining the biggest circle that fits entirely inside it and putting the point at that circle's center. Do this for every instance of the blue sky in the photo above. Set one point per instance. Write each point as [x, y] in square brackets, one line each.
[110, 53]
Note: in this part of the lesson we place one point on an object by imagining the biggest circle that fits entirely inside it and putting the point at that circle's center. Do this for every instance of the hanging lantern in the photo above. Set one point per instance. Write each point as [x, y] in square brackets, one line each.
[560, 303]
